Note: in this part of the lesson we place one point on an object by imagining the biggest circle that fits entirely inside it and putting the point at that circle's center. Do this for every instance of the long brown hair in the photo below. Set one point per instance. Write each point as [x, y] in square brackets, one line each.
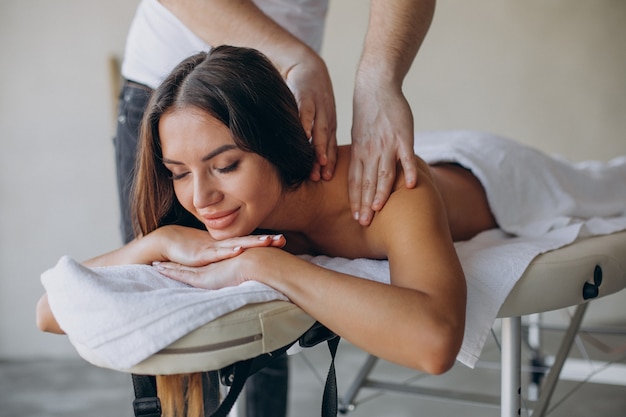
[242, 89]
[182, 395]
[239, 87]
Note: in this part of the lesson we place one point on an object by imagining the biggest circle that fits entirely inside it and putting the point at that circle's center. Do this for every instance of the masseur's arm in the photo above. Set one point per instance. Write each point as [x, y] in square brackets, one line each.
[242, 23]
[382, 123]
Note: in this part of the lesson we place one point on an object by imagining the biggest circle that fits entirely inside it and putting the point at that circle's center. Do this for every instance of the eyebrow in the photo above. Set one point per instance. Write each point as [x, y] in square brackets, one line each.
[205, 158]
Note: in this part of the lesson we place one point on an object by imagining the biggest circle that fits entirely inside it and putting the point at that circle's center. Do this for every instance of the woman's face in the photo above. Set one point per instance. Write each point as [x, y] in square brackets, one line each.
[229, 190]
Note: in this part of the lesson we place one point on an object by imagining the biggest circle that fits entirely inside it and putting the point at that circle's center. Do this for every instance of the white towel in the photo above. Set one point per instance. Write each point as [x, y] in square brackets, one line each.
[549, 192]
[122, 315]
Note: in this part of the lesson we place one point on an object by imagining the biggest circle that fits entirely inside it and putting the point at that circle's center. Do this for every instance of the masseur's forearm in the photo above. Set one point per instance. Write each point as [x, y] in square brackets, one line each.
[395, 33]
[239, 23]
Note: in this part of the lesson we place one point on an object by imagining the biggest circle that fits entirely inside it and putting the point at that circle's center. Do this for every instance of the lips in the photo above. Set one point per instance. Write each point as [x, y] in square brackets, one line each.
[220, 220]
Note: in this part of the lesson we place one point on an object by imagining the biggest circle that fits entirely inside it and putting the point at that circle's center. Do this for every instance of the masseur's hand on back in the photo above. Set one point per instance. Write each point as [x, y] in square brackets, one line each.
[382, 134]
[382, 125]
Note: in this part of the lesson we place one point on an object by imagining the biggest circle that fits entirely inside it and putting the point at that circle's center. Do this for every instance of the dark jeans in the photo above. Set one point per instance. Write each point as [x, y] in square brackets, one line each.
[266, 391]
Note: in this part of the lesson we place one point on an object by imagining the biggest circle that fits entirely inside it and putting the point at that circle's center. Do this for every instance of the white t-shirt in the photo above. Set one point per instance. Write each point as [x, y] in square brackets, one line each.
[157, 41]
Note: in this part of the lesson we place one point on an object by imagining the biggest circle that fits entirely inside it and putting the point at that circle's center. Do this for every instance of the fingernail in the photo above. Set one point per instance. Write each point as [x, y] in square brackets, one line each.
[277, 237]
[264, 237]
[356, 215]
[236, 248]
[155, 263]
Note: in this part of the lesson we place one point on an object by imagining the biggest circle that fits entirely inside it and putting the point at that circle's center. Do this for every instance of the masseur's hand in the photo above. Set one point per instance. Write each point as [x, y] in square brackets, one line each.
[193, 247]
[382, 134]
[310, 84]
[248, 265]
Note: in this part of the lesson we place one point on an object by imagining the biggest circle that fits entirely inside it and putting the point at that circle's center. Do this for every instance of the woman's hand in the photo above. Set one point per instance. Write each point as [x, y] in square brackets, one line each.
[194, 248]
[226, 272]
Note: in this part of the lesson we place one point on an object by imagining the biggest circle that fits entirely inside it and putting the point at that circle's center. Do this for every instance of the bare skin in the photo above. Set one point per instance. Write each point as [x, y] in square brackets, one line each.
[414, 231]
[382, 125]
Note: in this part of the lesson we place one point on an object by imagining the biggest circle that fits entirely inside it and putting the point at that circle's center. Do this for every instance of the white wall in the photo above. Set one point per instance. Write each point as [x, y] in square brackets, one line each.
[57, 185]
[551, 74]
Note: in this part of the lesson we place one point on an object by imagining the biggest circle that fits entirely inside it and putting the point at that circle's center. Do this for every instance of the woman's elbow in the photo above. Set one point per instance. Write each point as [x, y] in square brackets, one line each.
[443, 350]
[44, 317]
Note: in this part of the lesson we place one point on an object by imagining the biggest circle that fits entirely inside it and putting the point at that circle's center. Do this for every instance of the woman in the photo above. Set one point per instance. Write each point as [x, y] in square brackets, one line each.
[223, 150]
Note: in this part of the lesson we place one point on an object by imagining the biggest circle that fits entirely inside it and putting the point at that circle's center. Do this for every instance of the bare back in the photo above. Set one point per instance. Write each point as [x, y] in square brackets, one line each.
[338, 234]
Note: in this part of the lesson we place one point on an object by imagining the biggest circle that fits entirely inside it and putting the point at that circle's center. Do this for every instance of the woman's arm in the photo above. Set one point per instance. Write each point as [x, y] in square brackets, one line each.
[179, 244]
[45, 319]
[417, 321]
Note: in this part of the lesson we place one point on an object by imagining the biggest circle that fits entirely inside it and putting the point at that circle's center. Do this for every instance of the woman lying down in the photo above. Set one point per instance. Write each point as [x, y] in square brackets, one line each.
[223, 154]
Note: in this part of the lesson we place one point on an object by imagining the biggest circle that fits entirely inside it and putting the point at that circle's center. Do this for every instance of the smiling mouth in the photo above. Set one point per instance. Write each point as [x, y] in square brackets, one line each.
[221, 220]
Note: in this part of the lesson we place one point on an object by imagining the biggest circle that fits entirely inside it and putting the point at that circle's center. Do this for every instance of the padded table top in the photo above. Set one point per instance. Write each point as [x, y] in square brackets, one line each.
[556, 279]
[553, 280]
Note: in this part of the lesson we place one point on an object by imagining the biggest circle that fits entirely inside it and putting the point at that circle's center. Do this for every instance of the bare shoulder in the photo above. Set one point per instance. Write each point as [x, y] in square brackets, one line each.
[412, 229]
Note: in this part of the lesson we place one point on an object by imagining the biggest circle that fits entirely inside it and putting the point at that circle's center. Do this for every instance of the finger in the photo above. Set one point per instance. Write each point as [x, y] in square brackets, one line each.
[355, 173]
[321, 135]
[278, 241]
[386, 177]
[177, 272]
[250, 241]
[331, 154]
[321, 158]
[368, 189]
[409, 166]
[316, 172]
[217, 254]
[307, 115]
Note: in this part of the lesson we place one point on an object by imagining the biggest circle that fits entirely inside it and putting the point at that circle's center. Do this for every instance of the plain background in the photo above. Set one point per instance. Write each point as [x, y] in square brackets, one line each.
[548, 73]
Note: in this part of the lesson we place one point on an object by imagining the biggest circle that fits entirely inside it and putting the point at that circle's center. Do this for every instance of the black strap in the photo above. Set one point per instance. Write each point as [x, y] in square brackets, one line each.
[146, 403]
[329, 398]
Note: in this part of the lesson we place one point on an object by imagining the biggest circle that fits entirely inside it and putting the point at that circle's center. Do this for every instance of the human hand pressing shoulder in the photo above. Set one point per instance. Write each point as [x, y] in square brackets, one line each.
[382, 134]
[309, 81]
[382, 125]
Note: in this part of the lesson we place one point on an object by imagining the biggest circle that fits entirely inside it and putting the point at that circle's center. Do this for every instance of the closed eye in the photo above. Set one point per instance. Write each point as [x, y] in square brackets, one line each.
[180, 176]
[230, 168]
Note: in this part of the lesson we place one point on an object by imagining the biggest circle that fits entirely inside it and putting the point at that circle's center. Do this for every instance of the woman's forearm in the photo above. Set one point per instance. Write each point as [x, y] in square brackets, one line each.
[403, 325]
[142, 250]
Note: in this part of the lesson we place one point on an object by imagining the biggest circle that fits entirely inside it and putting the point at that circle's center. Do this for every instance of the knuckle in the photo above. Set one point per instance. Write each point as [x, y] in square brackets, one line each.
[367, 185]
[384, 174]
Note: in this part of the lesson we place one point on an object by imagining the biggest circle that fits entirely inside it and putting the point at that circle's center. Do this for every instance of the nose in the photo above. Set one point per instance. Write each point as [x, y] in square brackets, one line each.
[206, 192]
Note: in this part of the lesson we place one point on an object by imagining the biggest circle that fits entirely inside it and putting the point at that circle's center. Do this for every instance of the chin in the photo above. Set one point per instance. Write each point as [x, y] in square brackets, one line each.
[223, 234]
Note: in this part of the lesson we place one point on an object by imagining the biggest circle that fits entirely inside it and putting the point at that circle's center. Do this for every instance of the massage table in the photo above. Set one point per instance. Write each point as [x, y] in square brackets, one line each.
[571, 276]
[131, 318]
[574, 275]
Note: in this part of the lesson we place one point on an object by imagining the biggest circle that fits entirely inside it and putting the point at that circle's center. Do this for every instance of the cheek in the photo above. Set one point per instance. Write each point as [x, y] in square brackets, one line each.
[184, 196]
[267, 191]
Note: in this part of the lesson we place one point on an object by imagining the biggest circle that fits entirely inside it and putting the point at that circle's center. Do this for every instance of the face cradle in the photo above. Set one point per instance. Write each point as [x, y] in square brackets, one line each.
[230, 190]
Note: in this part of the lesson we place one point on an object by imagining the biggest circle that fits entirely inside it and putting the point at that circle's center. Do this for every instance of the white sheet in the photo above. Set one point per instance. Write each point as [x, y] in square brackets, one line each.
[124, 314]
